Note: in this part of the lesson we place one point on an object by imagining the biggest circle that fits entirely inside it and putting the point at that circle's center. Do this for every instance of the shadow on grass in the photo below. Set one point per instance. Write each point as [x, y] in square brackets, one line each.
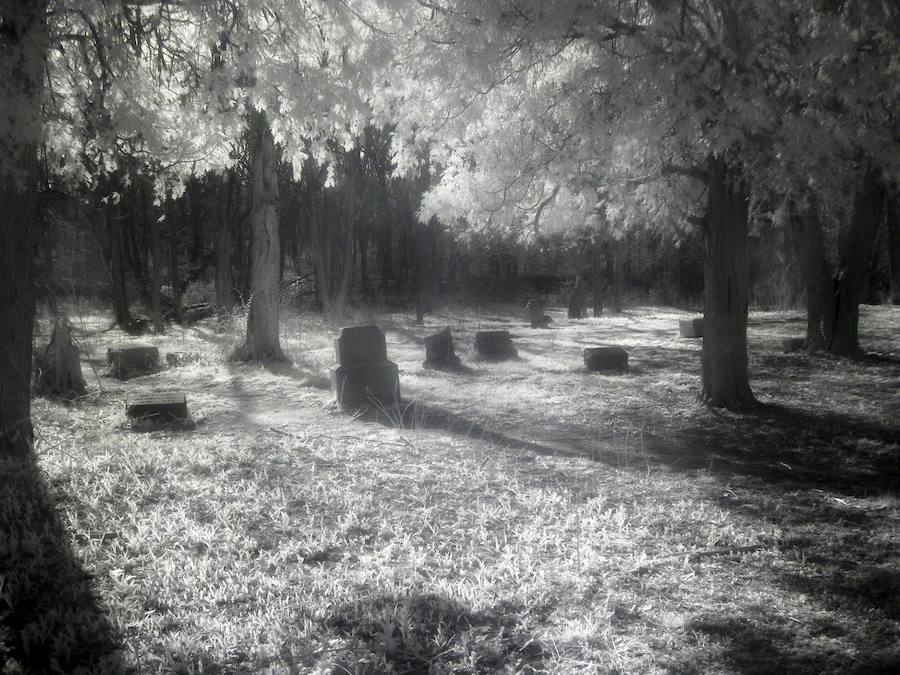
[50, 618]
[429, 633]
[788, 447]
[760, 642]
[304, 375]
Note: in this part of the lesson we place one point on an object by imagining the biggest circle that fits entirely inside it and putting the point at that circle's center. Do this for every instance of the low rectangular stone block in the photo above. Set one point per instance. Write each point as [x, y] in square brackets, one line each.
[162, 406]
[131, 360]
[359, 344]
[494, 345]
[606, 358]
[361, 384]
[792, 344]
[691, 328]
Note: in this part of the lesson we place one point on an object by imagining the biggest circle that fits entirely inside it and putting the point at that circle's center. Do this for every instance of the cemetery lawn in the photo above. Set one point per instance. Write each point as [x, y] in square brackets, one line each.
[525, 516]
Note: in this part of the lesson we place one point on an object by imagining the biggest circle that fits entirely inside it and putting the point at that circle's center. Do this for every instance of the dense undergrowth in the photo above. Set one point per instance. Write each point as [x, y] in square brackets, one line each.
[525, 516]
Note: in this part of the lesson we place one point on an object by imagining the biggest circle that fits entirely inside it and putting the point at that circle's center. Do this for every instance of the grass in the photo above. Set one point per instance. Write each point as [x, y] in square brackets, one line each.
[525, 516]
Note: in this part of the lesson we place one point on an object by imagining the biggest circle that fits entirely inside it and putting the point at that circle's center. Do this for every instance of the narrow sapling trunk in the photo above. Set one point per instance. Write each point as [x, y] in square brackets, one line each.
[23, 47]
[117, 267]
[893, 225]
[727, 274]
[263, 341]
[174, 278]
[224, 302]
[156, 270]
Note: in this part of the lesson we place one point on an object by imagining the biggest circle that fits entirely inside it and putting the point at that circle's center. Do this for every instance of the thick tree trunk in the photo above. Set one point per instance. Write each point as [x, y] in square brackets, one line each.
[726, 275]
[23, 48]
[855, 245]
[577, 298]
[262, 342]
[893, 226]
[808, 244]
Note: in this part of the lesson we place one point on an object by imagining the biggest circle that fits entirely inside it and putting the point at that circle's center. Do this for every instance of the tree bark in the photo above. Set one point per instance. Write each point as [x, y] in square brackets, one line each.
[596, 277]
[808, 242]
[152, 224]
[726, 274]
[23, 49]
[892, 216]
[116, 265]
[224, 299]
[855, 245]
[174, 277]
[262, 342]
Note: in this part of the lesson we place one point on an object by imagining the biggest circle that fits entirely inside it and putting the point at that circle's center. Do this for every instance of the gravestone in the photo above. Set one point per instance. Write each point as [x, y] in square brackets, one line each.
[536, 316]
[364, 375]
[494, 345]
[131, 360]
[439, 354]
[156, 406]
[792, 344]
[176, 359]
[606, 358]
[691, 328]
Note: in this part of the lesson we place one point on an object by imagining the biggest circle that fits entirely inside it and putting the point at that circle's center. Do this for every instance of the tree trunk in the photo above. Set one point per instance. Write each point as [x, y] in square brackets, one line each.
[892, 216]
[174, 277]
[263, 341]
[614, 272]
[23, 49]
[116, 266]
[577, 298]
[726, 275]
[224, 300]
[808, 244]
[596, 277]
[156, 272]
[855, 245]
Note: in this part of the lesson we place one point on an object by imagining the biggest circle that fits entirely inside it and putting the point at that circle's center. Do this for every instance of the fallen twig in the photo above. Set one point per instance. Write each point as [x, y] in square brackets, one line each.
[701, 553]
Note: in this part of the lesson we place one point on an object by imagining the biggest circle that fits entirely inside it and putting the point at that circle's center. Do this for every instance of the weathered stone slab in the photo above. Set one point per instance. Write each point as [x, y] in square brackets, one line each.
[792, 344]
[359, 344]
[439, 352]
[691, 328]
[131, 360]
[157, 406]
[536, 316]
[494, 345]
[606, 358]
[358, 385]
[177, 359]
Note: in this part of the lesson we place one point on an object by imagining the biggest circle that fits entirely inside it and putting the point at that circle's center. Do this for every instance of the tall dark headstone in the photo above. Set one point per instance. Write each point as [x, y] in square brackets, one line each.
[364, 376]
[439, 353]
[578, 298]
[494, 345]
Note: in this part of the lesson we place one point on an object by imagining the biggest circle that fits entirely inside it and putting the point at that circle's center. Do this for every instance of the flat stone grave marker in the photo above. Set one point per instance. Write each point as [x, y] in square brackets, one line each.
[691, 328]
[364, 376]
[792, 344]
[605, 358]
[494, 345]
[157, 406]
[131, 360]
[439, 353]
[176, 359]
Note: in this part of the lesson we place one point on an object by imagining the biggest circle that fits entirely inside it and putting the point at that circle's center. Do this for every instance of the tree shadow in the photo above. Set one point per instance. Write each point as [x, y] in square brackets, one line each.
[788, 447]
[51, 620]
[761, 642]
[422, 633]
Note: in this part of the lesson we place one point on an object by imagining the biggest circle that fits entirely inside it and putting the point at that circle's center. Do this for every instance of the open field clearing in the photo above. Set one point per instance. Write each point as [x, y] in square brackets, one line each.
[525, 516]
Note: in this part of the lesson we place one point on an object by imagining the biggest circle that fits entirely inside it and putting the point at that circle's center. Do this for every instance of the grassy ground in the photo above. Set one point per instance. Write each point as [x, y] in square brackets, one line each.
[525, 516]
